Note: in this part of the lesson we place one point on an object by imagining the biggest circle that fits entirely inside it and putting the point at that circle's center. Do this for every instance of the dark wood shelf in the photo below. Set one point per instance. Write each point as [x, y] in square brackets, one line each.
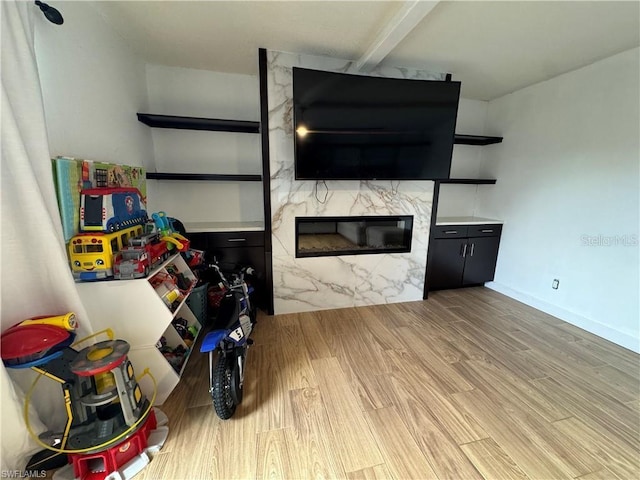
[205, 176]
[475, 140]
[469, 181]
[195, 123]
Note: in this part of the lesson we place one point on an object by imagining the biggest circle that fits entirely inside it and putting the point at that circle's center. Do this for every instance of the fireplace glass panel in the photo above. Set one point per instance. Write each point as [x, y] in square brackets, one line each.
[328, 236]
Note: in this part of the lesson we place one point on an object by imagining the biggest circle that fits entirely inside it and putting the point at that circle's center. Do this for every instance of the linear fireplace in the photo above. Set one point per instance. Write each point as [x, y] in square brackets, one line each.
[329, 236]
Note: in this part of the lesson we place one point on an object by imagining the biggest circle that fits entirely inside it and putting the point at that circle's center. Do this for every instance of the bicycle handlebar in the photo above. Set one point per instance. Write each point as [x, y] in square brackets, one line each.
[239, 275]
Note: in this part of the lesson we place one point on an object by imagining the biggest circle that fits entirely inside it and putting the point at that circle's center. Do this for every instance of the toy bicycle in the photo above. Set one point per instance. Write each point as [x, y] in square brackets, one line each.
[230, 343]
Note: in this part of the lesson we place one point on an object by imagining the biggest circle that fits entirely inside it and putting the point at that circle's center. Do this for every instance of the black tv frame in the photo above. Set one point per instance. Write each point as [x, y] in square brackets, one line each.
[440, 169]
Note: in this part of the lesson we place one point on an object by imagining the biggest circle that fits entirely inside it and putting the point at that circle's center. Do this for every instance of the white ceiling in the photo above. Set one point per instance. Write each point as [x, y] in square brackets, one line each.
[494, 48]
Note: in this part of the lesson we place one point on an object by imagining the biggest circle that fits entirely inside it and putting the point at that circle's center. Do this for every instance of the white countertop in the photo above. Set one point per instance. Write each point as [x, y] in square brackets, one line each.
[466, 221]
[198, 227]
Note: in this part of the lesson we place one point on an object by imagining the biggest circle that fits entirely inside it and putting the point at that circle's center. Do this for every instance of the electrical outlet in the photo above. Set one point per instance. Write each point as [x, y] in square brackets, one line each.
[555, 284]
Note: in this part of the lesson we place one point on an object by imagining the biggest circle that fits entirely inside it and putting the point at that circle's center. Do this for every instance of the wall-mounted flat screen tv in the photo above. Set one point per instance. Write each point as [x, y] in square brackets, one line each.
[360, 127]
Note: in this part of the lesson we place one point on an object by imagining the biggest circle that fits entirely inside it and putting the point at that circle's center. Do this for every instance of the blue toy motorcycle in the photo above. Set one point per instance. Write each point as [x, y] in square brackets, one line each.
[227, 347]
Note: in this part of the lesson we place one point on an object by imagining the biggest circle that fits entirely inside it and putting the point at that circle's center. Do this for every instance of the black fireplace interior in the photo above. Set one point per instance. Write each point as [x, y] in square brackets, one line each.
[329, 236]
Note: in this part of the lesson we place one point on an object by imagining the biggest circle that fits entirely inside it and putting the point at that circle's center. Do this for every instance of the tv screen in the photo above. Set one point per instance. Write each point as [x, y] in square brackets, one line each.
[359, 127]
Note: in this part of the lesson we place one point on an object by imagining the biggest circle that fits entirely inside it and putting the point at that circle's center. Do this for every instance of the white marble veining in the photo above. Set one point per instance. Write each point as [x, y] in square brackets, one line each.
[304, 284]
[466, 221]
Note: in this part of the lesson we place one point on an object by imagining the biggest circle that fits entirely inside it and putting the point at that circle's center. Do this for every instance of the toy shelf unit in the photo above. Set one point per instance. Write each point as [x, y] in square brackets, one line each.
[148, 317]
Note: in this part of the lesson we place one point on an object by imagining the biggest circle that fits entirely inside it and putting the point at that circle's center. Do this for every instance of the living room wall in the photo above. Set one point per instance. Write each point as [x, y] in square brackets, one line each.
[201, 93]
[93, 84]
[568, 183]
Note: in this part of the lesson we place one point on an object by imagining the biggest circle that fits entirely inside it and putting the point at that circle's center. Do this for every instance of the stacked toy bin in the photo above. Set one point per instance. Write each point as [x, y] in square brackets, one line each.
[197, 303]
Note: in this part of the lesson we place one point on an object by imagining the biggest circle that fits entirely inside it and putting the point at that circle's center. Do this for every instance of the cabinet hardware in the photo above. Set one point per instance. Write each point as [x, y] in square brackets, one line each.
[450, 232]
[236, 240]
[464, 251]
[487, 230]
[473, 246]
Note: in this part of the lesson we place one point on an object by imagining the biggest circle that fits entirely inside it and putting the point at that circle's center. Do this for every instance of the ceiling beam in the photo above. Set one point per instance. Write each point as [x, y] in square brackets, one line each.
[410, 14]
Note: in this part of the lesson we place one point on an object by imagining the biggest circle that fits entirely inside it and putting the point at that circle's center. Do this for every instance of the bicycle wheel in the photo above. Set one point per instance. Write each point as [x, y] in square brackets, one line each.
[223, 401]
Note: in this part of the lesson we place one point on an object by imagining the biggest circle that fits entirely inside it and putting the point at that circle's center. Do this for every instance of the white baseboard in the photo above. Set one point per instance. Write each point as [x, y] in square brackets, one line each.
[619, 338]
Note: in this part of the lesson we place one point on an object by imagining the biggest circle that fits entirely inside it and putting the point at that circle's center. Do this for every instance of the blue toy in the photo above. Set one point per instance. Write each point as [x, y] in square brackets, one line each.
[226, 378]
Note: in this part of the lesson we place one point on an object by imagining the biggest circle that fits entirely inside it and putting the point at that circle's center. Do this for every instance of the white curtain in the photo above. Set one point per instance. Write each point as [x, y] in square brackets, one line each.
[35, 278]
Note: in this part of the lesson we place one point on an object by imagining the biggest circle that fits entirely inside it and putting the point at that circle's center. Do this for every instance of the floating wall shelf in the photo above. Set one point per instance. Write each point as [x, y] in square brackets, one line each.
[469, 181]
[205, 176]
[196, 123]
[476, 140]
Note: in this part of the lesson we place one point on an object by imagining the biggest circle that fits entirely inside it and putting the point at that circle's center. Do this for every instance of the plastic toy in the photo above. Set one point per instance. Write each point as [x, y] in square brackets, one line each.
[143, 254]
[167, 289]
[120, 461]
[110, 209]
[124, 252]
[193, 257]
[230, 343]
[28, 345]
[175, 356]
[104, 404]
[168, 233]
[67, 321]
[92, 254]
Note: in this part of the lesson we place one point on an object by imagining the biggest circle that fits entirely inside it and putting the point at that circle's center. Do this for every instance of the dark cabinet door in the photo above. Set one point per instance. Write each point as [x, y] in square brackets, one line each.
[234, 258]
[480, 261]
[447, 263]
[233, 253]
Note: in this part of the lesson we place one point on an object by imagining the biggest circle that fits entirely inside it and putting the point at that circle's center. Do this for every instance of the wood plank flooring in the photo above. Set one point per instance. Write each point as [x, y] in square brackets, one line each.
[469, 384]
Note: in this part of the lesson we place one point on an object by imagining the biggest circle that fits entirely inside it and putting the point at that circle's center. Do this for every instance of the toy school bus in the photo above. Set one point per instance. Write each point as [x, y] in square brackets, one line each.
[92, 254]
[110, 209]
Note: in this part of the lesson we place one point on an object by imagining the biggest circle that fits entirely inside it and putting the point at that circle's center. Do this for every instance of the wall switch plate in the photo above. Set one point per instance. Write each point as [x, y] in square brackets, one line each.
[555, 284]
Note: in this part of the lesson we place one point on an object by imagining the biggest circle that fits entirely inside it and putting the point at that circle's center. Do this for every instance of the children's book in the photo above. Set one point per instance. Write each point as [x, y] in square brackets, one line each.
[72, 175]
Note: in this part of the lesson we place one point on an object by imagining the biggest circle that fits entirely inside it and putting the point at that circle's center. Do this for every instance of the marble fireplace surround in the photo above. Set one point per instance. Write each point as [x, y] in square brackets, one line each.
[317, 283]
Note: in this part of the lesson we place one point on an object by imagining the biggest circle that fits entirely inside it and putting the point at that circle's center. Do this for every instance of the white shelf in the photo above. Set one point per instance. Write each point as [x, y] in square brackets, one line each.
[164, 374]
[205, 227]
[466, 221]
[136, 314]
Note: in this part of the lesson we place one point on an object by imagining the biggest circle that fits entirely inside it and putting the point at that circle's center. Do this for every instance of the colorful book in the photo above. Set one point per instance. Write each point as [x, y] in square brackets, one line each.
[72, 175]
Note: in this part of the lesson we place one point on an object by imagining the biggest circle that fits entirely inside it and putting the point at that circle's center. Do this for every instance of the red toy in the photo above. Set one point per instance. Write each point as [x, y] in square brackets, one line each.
[96, 466]
[24, 344]
[109, 420]
[140, 257]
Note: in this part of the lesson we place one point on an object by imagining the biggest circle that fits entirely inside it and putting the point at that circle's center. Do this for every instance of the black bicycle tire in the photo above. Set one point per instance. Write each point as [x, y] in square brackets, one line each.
[223, 402]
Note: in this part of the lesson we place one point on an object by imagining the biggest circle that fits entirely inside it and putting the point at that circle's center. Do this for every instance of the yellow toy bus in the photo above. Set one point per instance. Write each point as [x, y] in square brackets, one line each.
[91, 254]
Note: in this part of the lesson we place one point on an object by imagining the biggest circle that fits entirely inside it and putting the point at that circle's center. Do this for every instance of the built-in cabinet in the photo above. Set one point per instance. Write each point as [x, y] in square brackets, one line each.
[152, 317]
[463, 255]
[236, 248]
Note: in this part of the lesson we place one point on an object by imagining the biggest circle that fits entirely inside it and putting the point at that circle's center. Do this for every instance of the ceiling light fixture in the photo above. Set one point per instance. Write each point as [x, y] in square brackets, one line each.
[53, 15]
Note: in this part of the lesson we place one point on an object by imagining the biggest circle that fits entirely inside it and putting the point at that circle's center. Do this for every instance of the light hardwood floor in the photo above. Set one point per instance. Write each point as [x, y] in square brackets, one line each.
[469, 384]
